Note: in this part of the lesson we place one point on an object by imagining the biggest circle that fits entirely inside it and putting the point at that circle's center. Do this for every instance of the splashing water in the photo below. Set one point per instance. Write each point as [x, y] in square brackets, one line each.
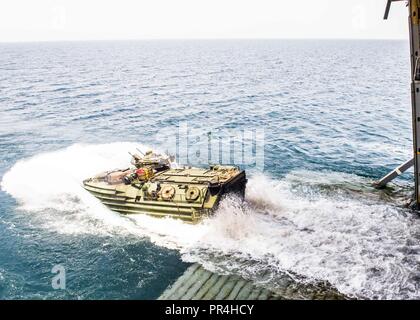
[319, 226]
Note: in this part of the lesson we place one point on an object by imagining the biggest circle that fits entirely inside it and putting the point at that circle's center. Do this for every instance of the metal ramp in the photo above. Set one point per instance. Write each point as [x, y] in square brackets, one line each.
[199, 284]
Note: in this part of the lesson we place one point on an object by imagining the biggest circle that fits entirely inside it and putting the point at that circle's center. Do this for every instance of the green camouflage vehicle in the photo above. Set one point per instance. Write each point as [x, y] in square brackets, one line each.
[152, 187]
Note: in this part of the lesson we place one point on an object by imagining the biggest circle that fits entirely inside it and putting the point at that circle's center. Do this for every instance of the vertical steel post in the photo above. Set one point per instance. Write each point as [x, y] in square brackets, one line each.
[414, 28]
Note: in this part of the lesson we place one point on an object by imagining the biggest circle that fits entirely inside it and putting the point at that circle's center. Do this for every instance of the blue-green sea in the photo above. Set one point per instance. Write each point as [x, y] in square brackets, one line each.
[335, 115]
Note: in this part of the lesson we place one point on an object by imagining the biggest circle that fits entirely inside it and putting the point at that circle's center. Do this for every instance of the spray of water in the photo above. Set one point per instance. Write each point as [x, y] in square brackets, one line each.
[307, 224]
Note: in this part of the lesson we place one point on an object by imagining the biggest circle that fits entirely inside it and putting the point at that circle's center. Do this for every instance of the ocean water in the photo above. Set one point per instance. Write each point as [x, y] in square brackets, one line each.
[335, 117]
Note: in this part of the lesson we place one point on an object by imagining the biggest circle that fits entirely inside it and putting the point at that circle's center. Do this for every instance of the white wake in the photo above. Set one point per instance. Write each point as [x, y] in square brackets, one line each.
[309, 224]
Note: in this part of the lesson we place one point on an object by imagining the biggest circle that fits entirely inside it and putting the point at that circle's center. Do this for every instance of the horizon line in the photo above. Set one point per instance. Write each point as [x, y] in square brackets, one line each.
[197, 39]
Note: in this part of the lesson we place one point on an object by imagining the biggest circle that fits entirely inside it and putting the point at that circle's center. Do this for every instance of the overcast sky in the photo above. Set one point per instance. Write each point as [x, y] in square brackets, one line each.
[47, 20]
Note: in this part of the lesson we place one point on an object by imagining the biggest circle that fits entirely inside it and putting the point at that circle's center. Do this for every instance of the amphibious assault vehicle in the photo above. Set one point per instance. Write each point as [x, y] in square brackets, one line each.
[153, 186]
